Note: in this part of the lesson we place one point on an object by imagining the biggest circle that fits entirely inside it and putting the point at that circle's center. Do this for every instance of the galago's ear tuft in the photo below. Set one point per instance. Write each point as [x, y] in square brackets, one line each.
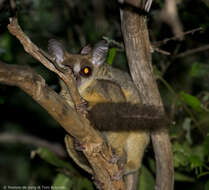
[99, 53]
[86, 50]
[56, 49]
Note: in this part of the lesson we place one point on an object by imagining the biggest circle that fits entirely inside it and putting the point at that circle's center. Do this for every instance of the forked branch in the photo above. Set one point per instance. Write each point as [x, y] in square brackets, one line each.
[76, 124]
[137, 47]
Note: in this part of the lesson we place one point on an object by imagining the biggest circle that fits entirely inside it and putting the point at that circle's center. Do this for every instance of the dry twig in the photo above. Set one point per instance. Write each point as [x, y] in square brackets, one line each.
[32, 140]
[166, 40]
[192, 51]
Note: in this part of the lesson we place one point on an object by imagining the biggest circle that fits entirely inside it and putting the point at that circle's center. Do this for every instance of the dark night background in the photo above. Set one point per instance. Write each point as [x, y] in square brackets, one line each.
[183, 83]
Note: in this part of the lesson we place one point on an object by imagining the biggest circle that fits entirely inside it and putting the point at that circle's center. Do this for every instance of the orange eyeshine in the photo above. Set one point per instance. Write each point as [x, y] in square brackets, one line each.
[86, 70]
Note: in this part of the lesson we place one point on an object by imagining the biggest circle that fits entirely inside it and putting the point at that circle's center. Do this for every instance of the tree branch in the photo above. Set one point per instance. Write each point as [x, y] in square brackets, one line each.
[137, 47]
[192, 51]
[45, 59]
[34, 85]
[166, 40]
[94, 148]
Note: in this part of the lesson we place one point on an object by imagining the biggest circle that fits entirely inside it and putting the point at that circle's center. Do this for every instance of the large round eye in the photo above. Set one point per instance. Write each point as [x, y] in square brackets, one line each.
[86, 71]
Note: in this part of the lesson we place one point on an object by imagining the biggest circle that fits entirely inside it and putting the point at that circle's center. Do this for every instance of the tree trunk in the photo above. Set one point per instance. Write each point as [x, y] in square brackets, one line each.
[137, 48]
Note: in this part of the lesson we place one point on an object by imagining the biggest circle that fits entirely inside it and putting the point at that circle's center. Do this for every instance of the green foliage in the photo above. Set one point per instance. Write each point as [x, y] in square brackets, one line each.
[183, 84]
[146, 180]
[111, 56]
[69, 178]
[190, 158]
[62, 181]
[207, 185]
[5, 48]
[51, 158]
[183, 178]
[191, 101]
[198, 70]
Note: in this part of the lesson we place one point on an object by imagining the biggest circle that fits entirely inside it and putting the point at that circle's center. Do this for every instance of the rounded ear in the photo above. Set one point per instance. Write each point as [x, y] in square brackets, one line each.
[86, 50]
[99, 53]
[56, 49]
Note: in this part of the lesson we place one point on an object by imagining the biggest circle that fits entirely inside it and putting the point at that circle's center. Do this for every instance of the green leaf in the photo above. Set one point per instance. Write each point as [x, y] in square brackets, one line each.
[195, 162]
[62, 182]
[5, 44]
[111, 56]
[207, 185]
[152, 165]
[198, 151]
[191, 101]
[83, 183]
[51, 158]
[181, 154]
[180, 160]
[78, 182]
[146, 180]
[198, 70]
[203, 174]
[182, 177]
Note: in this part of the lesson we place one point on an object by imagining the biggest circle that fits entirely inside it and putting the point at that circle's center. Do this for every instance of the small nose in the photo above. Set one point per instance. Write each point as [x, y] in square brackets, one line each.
[78, 80]
[77, 76]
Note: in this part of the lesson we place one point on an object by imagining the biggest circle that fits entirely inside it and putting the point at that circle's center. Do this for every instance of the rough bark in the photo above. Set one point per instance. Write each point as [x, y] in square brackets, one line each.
[137, 48]
[97, 153]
